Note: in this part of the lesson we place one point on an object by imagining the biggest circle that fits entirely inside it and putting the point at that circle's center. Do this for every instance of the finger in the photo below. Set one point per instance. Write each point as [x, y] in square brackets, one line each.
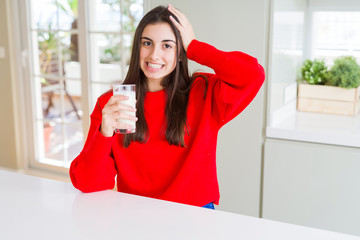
[184, 25]
[181, 16]
[124, 116]
[118, 110]
[122, 106]
[110, 120]
[116, 98]
[122, 120]
[176, 23]
[118, 107]
[175, 11]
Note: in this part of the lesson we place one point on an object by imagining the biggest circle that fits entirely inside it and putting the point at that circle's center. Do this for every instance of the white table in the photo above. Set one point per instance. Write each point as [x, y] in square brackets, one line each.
[38, 208]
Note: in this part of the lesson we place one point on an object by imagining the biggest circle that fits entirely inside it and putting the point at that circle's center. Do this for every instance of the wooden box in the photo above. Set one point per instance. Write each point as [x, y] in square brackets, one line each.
[328, 99]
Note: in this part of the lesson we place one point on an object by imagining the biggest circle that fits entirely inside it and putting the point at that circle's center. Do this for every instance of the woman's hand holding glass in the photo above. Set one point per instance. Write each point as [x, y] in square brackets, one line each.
[115, 109]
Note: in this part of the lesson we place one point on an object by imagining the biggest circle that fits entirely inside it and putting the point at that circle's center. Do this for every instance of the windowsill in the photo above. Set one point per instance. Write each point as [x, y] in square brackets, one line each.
[315, 127]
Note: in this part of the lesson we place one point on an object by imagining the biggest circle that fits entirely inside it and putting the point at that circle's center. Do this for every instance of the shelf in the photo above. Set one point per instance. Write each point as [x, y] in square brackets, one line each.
[290, 124]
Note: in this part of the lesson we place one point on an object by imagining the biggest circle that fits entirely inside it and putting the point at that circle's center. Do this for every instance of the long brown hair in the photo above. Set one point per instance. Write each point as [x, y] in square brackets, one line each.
[177, 84]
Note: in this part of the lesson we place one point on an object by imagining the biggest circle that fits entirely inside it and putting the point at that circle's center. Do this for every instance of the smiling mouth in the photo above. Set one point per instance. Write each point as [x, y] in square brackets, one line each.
[154, 66]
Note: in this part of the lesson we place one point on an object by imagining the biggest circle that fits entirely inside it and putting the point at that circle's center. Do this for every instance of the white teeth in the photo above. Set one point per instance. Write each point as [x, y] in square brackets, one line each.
[157, 66]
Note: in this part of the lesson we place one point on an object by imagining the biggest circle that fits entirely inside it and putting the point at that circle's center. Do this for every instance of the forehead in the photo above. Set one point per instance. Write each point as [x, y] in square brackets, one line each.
[158, 32]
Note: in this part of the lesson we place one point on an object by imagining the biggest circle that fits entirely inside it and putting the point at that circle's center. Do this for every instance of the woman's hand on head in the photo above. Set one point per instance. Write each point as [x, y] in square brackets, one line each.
[184, 26]
[113, 111]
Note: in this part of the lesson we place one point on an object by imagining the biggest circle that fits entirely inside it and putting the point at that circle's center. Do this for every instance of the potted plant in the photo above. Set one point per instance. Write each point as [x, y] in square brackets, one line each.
[335, 90]
[314, 72]
[344, 73]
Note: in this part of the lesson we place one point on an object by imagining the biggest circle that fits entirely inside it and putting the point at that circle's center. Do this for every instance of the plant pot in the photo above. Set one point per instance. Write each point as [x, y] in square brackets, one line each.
[328, 99]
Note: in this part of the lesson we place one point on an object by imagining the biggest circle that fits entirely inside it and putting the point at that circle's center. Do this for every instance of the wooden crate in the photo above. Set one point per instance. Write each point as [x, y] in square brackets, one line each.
[328, 99]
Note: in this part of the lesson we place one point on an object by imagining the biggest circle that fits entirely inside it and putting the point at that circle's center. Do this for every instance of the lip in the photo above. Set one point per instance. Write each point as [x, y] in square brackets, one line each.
[153, 69]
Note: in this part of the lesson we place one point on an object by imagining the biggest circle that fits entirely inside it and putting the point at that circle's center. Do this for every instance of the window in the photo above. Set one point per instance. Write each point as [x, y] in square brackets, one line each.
[335, 33]
[302, 29]
[77, 49]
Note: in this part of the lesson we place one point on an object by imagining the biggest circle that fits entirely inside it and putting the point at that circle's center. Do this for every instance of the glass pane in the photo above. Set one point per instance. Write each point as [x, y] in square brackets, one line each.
[106, 57]
[70, 55]
[72, 70]
[53, 141]
[50, 90]
[62, 101]
[109, 46]
[73, 108]
[39, 98]
[127, 41]
[131, 14]
[44, 14]
[74, 140]
[105, 15]
[336, 34]
[73, 47]
[68, 14]
[287, 54]
[48, 52]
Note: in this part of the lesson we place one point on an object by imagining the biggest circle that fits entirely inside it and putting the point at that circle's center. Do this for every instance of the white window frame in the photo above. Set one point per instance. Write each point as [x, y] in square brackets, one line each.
[292, 125]
[324, 5]
[23, 89]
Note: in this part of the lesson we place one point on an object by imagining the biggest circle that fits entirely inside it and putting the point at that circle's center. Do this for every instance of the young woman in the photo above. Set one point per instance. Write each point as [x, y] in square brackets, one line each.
[172, 154]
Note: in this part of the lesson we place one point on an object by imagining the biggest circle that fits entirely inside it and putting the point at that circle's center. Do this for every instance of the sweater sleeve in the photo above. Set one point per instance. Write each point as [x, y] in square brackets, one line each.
[238, 78]
[94, 169]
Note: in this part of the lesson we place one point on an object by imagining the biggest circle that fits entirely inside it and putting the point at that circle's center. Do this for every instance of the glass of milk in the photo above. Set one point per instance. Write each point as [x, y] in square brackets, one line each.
[127, 90]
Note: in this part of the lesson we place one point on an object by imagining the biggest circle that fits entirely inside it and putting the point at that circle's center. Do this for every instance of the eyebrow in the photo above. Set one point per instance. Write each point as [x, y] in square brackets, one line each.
[165, 40]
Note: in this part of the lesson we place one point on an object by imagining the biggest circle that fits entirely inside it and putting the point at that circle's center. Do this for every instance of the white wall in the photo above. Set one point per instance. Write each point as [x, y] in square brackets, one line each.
[235, 25]
[315, 185]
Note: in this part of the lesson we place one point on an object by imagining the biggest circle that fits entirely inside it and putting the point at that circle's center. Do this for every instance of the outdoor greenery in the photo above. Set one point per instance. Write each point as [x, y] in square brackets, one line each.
[49, 41]
[344, 73]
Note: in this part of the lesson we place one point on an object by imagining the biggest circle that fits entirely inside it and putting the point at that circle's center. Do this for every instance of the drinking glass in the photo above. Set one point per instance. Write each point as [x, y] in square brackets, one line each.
[127, 90]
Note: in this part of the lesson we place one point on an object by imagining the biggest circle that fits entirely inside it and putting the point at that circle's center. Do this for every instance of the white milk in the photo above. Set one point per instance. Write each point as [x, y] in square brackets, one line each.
[127, 90]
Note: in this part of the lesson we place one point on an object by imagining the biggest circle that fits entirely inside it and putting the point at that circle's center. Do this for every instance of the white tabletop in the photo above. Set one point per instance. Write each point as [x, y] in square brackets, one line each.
[38, 208]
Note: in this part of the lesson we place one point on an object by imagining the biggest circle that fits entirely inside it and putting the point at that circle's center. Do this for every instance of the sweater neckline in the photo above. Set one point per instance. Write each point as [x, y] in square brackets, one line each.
[162, 90]
[155, 94]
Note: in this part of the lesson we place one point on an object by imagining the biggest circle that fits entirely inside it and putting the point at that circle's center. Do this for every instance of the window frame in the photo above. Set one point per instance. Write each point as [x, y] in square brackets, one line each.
[297, 126]
[324, 5]
[24, 89]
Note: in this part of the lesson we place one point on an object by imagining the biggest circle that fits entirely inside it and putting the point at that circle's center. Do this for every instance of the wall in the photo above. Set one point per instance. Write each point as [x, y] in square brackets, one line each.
[7, 127]
[234, 25]
[315, 185]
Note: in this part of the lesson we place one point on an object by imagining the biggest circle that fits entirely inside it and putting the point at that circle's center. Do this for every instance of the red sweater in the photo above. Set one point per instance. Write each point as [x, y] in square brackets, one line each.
[157, 169]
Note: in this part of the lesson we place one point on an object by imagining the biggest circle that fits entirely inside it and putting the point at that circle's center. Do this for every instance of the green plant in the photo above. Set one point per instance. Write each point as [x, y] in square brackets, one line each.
[344, 73]
[314, 71]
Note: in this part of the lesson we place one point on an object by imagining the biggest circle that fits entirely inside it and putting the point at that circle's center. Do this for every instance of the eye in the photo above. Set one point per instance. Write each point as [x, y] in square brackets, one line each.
[168, 46]
[146, 43]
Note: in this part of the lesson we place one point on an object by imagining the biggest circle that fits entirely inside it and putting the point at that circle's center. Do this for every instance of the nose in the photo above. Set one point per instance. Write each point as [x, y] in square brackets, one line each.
[155, 53]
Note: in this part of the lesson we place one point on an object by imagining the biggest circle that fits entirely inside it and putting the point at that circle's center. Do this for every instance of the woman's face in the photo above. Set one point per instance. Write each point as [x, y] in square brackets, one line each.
[157, 52]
